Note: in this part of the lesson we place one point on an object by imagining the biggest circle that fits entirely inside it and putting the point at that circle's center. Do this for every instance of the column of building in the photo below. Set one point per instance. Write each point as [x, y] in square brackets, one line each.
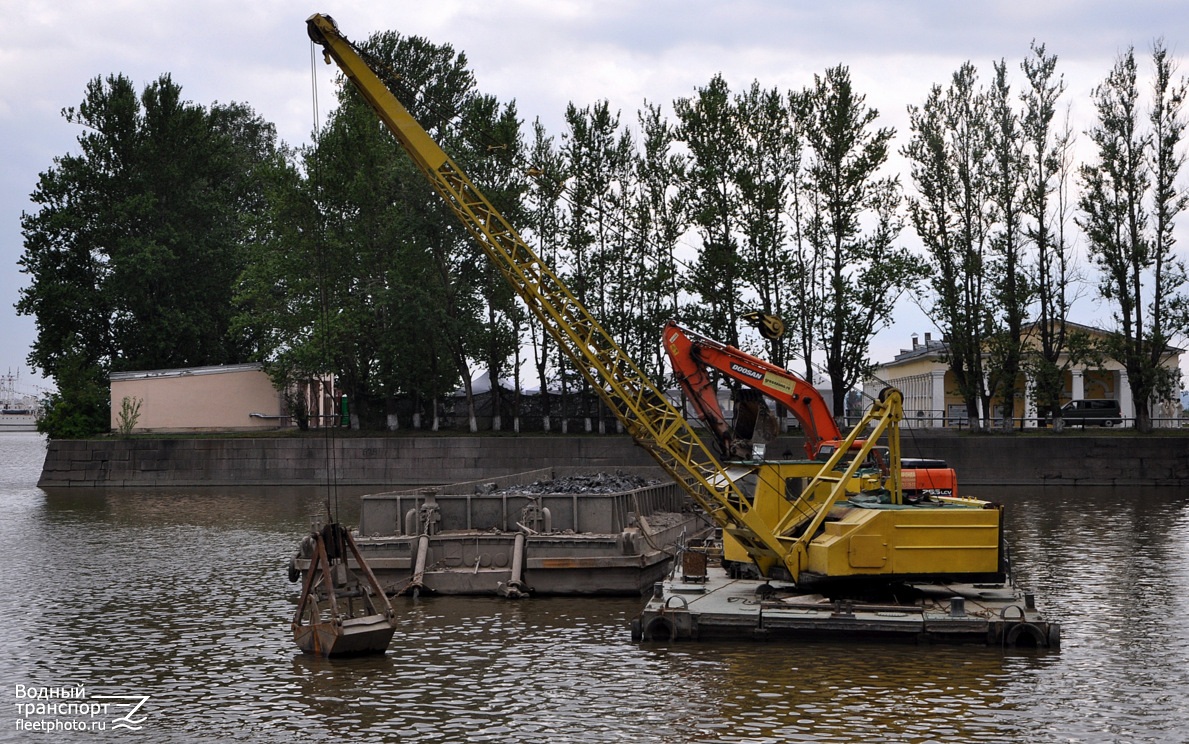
[1031, 420]
[938, 389]
[1126, 404]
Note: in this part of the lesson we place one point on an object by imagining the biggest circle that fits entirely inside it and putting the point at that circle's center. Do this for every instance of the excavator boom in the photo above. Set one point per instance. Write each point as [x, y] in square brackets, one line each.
[691, 353]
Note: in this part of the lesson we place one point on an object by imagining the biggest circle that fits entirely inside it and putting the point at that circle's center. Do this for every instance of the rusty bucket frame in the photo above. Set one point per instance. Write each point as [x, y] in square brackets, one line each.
[341, 611]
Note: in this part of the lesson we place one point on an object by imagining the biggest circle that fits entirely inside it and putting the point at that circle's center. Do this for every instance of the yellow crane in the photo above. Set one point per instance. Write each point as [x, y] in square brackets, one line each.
[794, 533]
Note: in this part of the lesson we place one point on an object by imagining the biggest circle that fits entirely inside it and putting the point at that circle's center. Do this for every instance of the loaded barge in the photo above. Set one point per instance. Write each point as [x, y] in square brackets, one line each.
[553, 531]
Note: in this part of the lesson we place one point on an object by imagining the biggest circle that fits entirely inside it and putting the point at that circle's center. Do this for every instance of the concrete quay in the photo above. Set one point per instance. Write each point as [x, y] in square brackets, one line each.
[1071, 459]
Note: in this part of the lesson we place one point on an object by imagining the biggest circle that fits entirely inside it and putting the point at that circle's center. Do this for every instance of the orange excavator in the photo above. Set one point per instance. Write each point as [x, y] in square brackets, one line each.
[693, 356]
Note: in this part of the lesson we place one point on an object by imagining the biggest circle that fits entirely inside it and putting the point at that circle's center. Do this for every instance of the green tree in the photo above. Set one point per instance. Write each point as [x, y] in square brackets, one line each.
[1047, 146]
[768, 168]
[950, 154]
[139, 238]
[277, 278]
[708, 125]
[804, 282]
[364, 275]
[599, 156]
[1011, 285]
[854, 228]
[80, 407]
[658, 222]
[489, 140]
[1128, 208]
[543, 204]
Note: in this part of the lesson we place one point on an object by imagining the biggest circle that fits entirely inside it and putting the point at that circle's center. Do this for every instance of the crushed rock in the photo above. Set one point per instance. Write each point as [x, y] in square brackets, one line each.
[660, 521]
[597, 483]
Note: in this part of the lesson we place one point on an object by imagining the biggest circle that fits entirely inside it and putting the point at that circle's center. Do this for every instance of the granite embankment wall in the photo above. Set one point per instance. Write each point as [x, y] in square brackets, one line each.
[380, 461]
[1079, 459]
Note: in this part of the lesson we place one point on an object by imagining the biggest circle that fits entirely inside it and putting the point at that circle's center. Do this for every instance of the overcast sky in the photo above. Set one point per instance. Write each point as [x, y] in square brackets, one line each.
[544, 54]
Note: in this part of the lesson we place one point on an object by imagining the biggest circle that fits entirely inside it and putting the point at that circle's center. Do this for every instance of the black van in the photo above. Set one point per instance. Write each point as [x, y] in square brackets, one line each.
[1092, 413]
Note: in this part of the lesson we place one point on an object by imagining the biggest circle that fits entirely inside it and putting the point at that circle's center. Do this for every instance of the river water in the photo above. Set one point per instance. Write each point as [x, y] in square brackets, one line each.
[177, 600]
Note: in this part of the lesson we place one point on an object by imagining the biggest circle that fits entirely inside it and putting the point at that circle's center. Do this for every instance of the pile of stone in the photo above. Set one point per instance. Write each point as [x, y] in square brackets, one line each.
[617, 482]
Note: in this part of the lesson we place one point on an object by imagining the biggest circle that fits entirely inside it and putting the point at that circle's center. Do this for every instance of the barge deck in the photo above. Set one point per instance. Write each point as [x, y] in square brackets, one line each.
[714, 606]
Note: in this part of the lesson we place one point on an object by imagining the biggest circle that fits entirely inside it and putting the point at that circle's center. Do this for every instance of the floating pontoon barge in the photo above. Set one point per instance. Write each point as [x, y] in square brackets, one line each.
[705, 604]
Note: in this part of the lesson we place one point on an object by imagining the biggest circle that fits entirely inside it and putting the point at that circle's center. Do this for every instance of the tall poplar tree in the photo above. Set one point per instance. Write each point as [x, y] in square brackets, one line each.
[599, 153]
[543, 219]
[1128, 208]
[1048, 145]
[1012, 288]
[854, 228]
[488, 138]
[950, 154]
[658, 220]
[804, 282]
[709, 126]
[768, 168]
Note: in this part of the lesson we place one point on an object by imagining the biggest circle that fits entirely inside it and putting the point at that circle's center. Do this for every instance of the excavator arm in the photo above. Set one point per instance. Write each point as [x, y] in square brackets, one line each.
[691, 354]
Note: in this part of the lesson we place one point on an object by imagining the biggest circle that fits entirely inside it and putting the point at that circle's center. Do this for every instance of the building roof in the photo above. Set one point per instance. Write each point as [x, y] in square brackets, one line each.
[934, 348]
[930, 347]
[184, 371]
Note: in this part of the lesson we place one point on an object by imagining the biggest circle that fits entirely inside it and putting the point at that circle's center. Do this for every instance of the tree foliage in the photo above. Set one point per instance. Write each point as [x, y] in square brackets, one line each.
[1011, 285]
[1128, 206]
[490, 142]
[951, 153]
[180, 235]
[377, 286]
[708, 125]
[599, 247]
[543, 221]
[769, 166]
[139, 237]
[658, 221]
[1047, 147]
[854, 228]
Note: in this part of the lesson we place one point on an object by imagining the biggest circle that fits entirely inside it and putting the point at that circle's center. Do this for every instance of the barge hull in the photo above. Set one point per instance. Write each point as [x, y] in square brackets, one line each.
[720, 608]
[478, 564]
[500, 536]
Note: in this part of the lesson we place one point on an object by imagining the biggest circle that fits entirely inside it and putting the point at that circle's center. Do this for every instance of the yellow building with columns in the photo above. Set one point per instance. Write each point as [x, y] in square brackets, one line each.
[931, 397]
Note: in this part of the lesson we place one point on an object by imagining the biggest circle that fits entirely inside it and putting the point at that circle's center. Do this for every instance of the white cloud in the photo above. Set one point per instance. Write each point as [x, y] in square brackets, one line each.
[543, 53]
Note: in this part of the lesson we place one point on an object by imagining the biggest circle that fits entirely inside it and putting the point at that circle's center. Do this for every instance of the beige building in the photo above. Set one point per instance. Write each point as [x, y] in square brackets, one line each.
[238, 397]
[931, 397]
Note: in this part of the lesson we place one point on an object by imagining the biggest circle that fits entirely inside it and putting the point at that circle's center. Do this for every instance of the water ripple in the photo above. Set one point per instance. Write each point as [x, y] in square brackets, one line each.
[182, 596]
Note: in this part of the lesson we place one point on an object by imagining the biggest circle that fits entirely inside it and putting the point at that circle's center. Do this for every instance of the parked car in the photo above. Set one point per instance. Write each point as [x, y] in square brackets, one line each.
[1091, 413]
